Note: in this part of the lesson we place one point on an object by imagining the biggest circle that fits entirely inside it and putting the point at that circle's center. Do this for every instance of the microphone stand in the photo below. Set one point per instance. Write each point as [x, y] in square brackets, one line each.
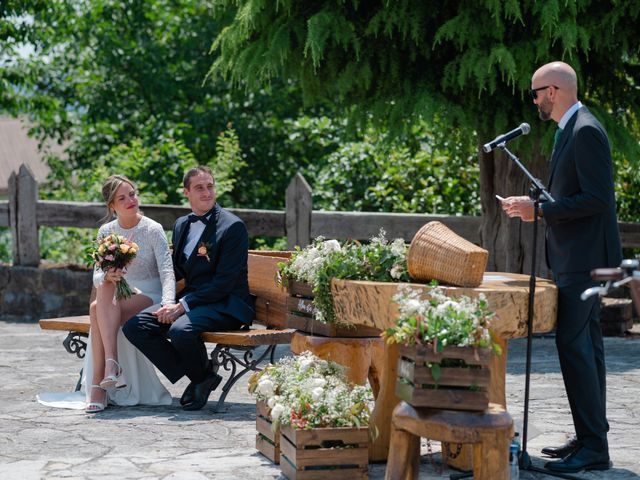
[536, 191]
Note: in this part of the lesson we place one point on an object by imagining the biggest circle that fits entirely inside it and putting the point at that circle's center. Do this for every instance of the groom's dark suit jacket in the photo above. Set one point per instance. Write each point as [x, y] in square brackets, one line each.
[218, 283]
[582, 231]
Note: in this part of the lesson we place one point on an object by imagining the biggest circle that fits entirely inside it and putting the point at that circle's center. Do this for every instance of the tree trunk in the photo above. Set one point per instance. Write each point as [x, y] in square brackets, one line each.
[509, 240]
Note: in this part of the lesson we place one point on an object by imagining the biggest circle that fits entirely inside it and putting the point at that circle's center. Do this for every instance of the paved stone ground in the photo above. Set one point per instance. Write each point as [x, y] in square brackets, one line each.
[168, 443]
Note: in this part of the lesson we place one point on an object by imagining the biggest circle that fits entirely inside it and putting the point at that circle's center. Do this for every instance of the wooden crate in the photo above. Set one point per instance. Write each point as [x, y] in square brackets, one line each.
[267, 441]
[301, 316]
[616, 317]
[325, 453]
[459, 388]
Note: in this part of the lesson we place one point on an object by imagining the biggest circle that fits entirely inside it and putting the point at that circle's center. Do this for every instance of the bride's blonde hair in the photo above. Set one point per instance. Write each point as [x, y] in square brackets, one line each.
[109, 189]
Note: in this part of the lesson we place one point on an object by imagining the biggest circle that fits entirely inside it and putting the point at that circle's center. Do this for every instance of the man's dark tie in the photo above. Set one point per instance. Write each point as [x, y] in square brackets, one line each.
[197, 218]
[556, 137]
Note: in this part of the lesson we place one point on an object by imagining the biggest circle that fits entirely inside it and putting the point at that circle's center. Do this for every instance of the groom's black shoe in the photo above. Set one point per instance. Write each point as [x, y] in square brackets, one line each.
[202, 390]
[581, 459]
[563, 450]
[187, 395]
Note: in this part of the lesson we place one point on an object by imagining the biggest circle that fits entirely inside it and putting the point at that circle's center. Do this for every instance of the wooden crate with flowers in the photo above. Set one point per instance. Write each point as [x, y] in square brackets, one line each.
[267, 438]
[309, 272]
[445, 348]
[323, 421]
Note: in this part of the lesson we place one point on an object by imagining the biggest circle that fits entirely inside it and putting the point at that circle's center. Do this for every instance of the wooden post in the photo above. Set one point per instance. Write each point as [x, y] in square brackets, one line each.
[298, 205]
[23, 196]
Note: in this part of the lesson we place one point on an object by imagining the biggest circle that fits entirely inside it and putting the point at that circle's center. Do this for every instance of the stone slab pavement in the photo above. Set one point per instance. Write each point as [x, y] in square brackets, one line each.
[38, 442]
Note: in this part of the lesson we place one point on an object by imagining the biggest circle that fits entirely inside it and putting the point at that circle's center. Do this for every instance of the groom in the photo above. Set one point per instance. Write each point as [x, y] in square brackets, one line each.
[210, 250]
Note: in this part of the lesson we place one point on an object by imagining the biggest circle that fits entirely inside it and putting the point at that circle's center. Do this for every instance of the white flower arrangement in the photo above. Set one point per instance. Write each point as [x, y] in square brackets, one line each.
[323, 260]
[305, 263]
[308, 392]
[439, 320]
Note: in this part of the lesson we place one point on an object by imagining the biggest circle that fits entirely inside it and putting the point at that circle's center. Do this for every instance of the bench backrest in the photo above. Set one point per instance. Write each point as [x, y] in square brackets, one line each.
[271, 300]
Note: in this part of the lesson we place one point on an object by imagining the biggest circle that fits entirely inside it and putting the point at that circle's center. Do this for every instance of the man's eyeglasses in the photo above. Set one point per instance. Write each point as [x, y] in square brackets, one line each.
[534, 91]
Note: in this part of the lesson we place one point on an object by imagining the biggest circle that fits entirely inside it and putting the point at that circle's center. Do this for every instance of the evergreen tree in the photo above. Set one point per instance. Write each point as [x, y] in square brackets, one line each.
[469, 62]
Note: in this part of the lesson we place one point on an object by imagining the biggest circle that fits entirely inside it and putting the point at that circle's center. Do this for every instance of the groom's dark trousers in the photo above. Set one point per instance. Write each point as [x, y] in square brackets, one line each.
[216, 291]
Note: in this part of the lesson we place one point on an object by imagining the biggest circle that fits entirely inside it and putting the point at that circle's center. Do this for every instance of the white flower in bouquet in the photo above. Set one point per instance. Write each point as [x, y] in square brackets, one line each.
[277, 411]
[305, 362]
[272, 401]
[396, 271]
[318, 382]
[266, 386]
[316, 393]
[399, 248]
[331, 246]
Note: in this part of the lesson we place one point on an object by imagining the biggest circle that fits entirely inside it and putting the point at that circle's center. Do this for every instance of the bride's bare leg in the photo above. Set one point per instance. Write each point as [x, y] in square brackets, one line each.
[115, 316]
[108, 320]
[132, 306]
[96, 394]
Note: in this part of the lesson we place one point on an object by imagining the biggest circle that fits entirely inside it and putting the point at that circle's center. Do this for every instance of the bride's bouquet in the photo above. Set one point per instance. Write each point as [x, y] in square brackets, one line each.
[115, 251]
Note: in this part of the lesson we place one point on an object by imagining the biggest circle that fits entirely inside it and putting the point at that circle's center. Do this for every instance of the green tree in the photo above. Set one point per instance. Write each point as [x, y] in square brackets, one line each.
[427, 169]
[469, 63]
[106, 73]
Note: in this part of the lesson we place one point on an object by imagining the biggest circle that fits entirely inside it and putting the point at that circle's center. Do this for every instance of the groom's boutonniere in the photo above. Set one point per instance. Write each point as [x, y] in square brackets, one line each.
[203, 250]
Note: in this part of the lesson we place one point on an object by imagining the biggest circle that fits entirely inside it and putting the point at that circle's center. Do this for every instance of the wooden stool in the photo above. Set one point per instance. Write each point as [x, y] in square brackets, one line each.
[490, 433]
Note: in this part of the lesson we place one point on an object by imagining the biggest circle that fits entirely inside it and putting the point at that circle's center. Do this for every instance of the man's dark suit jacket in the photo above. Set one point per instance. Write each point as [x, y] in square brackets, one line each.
[219, 282]
[582, 229]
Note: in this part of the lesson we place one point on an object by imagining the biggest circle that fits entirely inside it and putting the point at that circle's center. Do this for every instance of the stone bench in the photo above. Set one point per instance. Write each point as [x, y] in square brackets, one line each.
[235, 349]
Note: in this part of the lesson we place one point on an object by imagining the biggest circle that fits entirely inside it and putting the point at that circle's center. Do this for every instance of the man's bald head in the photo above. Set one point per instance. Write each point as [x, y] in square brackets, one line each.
[556, 85]
[559, 74]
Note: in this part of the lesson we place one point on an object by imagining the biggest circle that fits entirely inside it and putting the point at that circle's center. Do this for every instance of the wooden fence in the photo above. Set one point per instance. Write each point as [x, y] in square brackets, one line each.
[24, 213]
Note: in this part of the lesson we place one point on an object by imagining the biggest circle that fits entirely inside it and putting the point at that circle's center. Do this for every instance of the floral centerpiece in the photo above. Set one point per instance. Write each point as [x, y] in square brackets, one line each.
[314, 409]
[307, 392]
[441, 320]
[114, 252]
[323, 260]
[446, 349]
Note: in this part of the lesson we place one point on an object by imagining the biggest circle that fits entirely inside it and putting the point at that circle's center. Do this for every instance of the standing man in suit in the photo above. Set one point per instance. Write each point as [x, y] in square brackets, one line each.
[582, 234]
[210, 254]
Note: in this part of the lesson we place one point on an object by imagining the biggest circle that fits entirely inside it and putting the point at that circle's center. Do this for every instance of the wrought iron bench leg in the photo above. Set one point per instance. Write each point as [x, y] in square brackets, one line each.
[223, 356]
[75, 344]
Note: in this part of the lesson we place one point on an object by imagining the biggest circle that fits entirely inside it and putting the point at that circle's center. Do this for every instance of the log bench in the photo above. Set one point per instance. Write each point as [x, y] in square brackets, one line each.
[489, 432]
[234, 350]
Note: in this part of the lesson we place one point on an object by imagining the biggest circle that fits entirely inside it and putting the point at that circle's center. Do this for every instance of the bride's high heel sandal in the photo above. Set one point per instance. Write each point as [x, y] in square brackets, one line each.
[111, 381]
[95, 407]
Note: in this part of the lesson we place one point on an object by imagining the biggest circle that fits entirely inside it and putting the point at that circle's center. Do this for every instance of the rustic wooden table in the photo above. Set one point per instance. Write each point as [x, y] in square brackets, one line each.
[370, 304]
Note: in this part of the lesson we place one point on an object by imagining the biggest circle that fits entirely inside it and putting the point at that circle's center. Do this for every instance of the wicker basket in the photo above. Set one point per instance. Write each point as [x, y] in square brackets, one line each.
[437, 253]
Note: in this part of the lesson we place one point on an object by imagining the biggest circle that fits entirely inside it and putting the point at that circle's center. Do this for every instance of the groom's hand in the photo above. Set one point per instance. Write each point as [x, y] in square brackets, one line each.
[169, 313]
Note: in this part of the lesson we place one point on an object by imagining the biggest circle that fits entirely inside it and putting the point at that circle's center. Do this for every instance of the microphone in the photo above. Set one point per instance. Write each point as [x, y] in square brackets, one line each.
[523, 129]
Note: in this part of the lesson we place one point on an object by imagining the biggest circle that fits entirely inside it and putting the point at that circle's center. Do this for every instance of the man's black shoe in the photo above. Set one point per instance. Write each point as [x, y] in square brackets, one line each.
[202, 390]
[187, 395]
[562, 451]
[581, 459]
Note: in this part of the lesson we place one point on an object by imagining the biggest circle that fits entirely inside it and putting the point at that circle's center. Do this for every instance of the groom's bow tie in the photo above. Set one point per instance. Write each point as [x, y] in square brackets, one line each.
[197, 218]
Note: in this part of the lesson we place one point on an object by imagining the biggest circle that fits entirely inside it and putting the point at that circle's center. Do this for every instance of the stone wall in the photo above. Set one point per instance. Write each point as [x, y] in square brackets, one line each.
[28, 294]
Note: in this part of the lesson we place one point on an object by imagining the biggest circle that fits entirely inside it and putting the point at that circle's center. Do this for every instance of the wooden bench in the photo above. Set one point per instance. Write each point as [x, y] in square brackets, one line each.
[234, 350]
[490, 433]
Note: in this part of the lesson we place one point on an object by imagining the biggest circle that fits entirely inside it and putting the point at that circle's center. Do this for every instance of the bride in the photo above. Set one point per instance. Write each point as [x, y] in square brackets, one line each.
[114, 370]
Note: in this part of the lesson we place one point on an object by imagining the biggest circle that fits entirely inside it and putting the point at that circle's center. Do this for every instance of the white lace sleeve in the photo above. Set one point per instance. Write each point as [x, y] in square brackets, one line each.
[165, 266]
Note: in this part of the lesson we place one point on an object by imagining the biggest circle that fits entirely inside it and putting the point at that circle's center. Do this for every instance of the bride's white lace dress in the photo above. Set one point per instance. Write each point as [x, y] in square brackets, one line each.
[150, 274]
